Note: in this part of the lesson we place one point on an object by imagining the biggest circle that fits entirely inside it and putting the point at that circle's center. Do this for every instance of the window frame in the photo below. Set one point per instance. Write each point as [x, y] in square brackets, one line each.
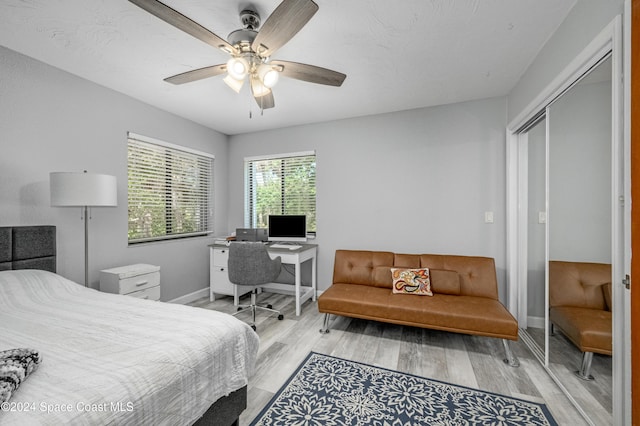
[208, 207]
[250, 218]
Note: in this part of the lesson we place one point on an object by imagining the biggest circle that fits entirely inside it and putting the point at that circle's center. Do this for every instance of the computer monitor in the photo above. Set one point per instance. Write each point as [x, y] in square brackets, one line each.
[288, 228]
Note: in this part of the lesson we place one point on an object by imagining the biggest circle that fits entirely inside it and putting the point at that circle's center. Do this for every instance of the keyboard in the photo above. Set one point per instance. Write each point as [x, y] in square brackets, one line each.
[285, 246]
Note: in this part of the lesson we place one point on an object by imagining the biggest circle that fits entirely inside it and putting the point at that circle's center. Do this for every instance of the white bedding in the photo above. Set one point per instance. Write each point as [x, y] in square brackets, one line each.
[111, 359]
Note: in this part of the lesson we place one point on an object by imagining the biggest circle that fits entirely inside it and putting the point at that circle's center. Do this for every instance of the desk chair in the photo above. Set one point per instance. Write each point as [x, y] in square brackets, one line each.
[250, 265]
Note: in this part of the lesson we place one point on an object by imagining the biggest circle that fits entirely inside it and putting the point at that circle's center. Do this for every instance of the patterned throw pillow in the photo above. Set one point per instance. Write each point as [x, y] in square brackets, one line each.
[15, 366]
[411, 281]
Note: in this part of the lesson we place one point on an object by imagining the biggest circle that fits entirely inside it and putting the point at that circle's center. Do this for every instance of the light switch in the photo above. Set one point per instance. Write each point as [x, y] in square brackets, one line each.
[488, 217]
[542, 217]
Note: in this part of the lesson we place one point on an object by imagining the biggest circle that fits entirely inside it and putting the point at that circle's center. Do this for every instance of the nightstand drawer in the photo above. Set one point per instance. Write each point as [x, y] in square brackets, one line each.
[152, 293]
[131, 278]
[139, 282]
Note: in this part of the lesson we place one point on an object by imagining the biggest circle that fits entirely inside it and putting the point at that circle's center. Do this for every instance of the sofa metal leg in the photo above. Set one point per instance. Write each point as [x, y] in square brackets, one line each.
[552, 329]
[510, 359]
[325, 324]
[585, 368]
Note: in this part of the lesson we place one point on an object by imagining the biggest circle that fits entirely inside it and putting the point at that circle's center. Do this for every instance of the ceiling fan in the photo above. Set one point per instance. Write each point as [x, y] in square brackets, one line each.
[251, 50]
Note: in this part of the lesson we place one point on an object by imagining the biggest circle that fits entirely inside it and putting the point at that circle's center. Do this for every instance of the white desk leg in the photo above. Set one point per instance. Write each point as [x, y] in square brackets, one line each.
[298, 281]
[314, 285]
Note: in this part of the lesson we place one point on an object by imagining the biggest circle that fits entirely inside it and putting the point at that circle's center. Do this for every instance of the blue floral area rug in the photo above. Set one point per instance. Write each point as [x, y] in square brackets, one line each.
[328, 391]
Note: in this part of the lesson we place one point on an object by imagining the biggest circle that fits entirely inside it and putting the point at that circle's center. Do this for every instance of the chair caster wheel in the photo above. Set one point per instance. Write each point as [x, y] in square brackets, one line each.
[269, 306]
[254, 327]
[280, 317]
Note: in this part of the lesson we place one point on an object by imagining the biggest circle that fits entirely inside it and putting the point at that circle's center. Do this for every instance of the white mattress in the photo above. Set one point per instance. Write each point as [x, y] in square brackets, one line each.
[112, 359]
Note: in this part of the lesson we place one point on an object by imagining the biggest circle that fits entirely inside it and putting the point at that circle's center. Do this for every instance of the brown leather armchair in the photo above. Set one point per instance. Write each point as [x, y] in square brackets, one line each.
[580, 306]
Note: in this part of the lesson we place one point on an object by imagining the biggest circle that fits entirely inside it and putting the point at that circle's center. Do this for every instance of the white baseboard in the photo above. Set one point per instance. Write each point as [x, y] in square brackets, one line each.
[535, 322]
[191, 297]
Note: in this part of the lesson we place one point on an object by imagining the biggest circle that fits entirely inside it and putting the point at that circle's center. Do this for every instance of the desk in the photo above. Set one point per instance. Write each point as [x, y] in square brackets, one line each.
[219, 278]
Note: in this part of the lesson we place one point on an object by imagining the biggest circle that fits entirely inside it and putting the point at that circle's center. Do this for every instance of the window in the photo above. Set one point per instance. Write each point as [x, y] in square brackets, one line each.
[169, 190]
[282, 184]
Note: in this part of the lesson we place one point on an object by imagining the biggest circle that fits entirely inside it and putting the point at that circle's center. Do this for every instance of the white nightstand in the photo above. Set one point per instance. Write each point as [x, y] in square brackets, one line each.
[140, 280]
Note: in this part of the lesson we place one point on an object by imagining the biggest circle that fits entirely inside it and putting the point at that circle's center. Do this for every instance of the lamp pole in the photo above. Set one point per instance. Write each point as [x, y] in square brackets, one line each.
[85, 190]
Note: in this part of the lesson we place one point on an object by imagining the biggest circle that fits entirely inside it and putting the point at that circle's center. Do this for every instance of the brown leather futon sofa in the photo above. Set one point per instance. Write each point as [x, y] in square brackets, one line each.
[580, 306]
[465, 294]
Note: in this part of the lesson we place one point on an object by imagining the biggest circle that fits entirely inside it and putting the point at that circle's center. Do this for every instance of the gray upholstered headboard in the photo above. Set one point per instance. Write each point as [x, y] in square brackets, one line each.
[28, 247]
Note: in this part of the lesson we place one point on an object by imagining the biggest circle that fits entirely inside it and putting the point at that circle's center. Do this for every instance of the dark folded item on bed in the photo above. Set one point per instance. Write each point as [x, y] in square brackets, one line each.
[15, 366]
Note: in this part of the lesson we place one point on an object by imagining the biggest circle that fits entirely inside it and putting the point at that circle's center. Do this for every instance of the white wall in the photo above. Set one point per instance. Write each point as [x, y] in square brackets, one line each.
[417, 181]
[53, 121]
[585, 21]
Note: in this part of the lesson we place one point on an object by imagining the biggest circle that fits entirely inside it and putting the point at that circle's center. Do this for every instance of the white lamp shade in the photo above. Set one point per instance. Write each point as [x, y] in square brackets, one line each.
[76, 189]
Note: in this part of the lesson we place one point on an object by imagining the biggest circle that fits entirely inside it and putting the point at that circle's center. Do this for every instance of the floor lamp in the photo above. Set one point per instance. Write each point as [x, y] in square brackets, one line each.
[77, 189]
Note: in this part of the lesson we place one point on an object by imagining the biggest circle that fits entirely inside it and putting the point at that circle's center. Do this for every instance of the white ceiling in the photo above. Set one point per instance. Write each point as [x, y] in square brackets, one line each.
[397, 55]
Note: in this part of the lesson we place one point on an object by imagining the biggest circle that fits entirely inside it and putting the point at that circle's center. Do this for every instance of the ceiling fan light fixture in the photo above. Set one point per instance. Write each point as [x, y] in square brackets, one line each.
[237, 68]
[258, 89]
[268, 75]
[250, 50]
[234, 84]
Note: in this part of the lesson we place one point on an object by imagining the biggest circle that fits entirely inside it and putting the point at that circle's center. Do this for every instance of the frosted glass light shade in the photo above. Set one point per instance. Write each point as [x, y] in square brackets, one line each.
[76, 189]
[236, 85]
[237, 68]
[268, 75]
[257, 88]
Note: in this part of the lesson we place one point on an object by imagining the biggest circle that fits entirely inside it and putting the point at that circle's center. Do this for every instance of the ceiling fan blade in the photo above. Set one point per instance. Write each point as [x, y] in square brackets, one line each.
[310, 73]
[285, 22]
[265, 101]
[199, 74]
[178, 20]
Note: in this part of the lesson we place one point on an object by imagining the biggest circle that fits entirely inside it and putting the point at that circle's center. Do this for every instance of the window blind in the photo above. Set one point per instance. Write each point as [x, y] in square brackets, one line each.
[169, 191]
[284, 184]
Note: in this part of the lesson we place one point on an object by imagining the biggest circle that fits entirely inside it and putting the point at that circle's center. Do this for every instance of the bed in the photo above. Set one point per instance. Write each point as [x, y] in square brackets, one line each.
[113, 359]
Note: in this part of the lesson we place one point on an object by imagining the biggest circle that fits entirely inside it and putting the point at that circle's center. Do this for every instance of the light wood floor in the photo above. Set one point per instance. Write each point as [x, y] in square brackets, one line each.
[596, 396]
[464, 360]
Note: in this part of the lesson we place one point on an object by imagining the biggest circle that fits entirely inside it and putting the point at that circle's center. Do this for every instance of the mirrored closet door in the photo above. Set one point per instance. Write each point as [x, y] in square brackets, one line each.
[565, 223]
[535, 216]
[579, 241]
